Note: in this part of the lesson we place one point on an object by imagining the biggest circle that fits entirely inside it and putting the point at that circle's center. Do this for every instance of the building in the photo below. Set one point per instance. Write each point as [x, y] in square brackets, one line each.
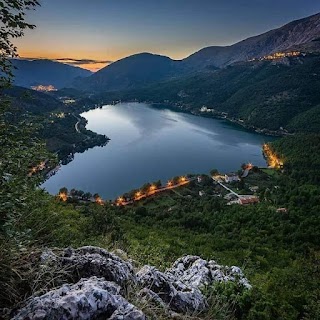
[231, 177]
[244, 200]
[248, 200]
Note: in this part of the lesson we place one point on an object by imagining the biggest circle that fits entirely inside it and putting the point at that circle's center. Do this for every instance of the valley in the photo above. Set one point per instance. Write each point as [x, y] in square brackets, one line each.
[159, 143]
[159, 188]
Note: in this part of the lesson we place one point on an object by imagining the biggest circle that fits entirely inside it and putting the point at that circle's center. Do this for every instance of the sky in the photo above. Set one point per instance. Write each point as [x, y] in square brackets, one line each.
[93, 33]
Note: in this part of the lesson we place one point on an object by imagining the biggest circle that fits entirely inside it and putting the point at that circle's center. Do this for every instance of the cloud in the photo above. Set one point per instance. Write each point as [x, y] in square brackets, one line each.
[82, 61]
[89, 64]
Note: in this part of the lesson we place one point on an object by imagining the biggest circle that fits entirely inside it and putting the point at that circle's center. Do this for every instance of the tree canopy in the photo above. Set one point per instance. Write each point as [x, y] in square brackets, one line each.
[13, 23]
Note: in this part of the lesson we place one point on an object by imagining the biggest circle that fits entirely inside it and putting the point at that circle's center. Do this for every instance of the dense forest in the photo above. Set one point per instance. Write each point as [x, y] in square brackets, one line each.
[53, 121]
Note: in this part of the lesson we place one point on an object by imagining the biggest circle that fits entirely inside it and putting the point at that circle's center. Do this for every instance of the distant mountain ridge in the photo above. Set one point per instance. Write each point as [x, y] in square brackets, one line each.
[46, 72]
[138, 70]
[292, 34]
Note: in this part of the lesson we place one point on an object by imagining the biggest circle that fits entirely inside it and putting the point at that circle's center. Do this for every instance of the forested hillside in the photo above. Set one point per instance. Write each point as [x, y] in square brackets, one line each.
[279, 251]
[60, 126]
[263, 94]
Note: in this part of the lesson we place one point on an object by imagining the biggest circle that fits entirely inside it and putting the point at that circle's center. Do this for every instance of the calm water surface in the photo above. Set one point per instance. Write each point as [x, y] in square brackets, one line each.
[148, 144]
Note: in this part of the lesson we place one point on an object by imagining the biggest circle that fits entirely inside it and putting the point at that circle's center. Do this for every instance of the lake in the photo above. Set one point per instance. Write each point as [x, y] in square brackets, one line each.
[148, 144]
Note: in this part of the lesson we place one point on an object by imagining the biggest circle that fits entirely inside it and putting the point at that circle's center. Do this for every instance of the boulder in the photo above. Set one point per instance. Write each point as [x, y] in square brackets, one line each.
[88, 299]
[105, 277]
[196, 272]
[91, 261]
[173, 293]
[180, 286]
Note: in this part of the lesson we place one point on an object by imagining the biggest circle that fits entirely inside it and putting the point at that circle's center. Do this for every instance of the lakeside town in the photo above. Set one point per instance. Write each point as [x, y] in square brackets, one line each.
[243, 187]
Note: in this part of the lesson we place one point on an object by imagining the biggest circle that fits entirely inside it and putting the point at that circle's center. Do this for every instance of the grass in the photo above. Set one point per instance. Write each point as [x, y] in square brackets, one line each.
[270, 172]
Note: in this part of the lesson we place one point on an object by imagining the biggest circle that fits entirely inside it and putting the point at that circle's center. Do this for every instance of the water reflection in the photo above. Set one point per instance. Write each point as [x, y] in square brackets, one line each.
[148, 144]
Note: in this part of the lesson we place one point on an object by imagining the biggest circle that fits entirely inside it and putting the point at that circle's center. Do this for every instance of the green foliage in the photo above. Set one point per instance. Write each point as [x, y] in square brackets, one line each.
[13, 24]
[279, 251]
[228, 300]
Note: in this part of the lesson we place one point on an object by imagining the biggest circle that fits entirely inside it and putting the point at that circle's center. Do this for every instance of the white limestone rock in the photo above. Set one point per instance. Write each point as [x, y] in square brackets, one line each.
[90, 261]
[88, 299]
[196, 272]
[180, 286]
[164, 287]
[178, 289]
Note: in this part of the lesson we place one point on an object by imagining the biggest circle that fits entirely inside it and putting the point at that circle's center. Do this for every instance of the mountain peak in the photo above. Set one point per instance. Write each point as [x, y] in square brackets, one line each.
[145, 68]
[294, 33]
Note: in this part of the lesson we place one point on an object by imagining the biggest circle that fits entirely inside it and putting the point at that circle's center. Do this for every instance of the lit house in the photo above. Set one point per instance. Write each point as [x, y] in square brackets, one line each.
[231, 177]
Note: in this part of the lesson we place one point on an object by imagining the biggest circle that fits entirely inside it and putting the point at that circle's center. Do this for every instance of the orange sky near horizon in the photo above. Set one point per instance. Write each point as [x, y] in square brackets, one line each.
[101, 59]
[100, 31]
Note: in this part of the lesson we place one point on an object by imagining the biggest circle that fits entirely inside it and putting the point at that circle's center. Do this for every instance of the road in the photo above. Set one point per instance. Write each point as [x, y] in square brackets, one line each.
[76, 126]
[240, 196]
[151, 193]
[224, 186]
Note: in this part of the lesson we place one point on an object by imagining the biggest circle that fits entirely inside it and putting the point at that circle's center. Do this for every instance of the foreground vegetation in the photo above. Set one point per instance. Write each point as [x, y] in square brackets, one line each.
[278, 250]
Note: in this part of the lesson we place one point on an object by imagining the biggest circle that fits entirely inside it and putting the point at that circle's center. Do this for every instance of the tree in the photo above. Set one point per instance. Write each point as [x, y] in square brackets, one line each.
[63, 190]
[13, 24]
[158, 184]
[214, 172]
[87, 195]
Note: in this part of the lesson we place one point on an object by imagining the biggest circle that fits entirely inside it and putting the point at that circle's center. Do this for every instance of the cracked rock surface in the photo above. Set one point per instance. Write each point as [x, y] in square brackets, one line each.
[100, 279]
[88, 299]
[180, 286]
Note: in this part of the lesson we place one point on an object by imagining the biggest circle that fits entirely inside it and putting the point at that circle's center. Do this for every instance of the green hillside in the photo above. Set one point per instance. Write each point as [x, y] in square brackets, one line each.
[263, 94]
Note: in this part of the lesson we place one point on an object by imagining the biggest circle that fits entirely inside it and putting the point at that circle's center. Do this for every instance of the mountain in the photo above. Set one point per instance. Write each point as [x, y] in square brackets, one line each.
[145, 68]
[264, 94]
[46, 72]
[291, 35]
[135, 71]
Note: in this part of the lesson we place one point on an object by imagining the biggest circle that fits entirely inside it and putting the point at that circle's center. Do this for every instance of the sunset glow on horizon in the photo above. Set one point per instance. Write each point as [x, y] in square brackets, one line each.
[93, 34]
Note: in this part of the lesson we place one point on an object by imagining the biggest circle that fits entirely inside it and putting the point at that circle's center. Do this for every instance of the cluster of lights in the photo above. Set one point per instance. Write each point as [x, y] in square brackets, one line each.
[99, 201]
[273, 160]
[152, 190]
[43, 88]
[41, 166]
[278, 55]
[63, 196]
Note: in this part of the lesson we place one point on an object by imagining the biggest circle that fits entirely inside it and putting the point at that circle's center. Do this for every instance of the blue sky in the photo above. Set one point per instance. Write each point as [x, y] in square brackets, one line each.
[107, 30]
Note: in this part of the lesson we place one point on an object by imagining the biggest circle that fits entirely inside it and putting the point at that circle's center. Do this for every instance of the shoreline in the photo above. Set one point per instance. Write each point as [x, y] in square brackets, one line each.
[78, 114]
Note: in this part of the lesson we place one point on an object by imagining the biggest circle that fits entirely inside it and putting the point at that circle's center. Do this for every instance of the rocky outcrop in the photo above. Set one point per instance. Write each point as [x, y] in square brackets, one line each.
[87, 299]
[90, 261]
[180, 286]
[164, 289]
[105, 278]
[196, 272]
